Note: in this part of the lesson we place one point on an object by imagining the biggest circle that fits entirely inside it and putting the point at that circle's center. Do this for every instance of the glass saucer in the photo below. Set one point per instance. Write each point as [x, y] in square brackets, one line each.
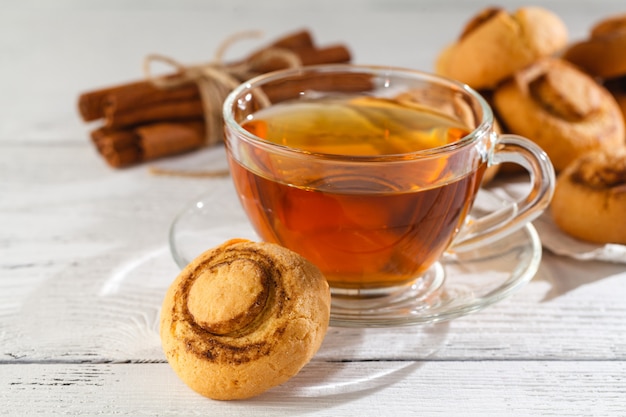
[471, 280]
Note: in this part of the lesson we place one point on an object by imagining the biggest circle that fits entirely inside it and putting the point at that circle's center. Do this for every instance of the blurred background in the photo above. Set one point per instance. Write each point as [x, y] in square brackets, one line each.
[51, 51]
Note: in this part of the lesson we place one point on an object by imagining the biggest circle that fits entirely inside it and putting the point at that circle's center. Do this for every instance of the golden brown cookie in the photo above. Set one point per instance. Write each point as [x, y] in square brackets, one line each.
[562, 109]
[244, 317]
[603, 54]
[495, 44]
[589, 202]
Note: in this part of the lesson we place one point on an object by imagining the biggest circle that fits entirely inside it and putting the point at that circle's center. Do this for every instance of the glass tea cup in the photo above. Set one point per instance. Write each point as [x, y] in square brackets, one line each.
[370, 172]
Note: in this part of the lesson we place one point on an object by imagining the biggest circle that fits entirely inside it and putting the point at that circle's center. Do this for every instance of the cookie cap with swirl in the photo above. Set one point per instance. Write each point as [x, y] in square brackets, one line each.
[494, 44]
[244, 317]
[589, 201]
[562, 109]
[602, 170]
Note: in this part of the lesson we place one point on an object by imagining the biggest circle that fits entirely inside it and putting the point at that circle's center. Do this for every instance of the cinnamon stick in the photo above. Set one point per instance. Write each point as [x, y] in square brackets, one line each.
[121, 148]
[92, 105]
[111, 141]
[148, 95]
[179, 110]
[289, 88]
[119, 99]
[145, 103]
[163, 139]
[118, 148]
[307, 55]
[294, 40]
[143, 122]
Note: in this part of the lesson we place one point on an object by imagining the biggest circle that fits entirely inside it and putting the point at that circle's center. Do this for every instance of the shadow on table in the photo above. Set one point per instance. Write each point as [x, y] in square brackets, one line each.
[565, 274]
[386, 343]
[356, 362]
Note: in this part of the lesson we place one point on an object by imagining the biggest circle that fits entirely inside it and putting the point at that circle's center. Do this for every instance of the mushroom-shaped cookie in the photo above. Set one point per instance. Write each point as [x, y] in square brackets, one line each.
[562, 109]
[495, 44]
[244, 317]
[589, 201]
[603, 54]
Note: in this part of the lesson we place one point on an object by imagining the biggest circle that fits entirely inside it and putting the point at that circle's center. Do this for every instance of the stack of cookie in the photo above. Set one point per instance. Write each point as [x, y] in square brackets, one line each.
[603, 55]
[564, 98]
[590, 199]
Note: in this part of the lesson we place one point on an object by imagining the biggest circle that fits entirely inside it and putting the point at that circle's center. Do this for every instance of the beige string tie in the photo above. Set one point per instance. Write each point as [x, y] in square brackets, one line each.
[215, 80]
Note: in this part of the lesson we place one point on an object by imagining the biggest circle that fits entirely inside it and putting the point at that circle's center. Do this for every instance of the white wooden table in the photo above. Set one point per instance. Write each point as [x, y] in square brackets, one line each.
[84, 257]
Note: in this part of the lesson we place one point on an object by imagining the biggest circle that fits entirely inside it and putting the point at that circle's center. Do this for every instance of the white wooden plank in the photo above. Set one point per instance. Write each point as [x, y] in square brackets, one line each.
[86, 263]
[83, 251]
[483, 388]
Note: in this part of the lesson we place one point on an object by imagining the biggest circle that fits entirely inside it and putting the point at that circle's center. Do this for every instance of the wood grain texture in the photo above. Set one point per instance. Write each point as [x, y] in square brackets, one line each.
[93, 290]
[84, 258]
[474, 388]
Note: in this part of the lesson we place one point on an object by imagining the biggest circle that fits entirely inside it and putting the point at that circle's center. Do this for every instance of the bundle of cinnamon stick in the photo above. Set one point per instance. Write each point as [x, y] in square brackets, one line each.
[142, 121]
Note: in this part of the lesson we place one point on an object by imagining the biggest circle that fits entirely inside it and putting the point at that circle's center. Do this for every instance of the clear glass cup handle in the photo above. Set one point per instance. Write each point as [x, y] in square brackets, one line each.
[491, 227]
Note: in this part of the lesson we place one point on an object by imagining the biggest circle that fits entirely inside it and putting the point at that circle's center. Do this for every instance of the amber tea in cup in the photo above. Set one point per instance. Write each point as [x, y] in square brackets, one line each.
[367, 230]
[370, 173]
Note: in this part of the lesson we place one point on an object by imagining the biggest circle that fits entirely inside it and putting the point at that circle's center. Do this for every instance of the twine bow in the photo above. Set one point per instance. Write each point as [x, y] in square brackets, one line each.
[215, 79]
